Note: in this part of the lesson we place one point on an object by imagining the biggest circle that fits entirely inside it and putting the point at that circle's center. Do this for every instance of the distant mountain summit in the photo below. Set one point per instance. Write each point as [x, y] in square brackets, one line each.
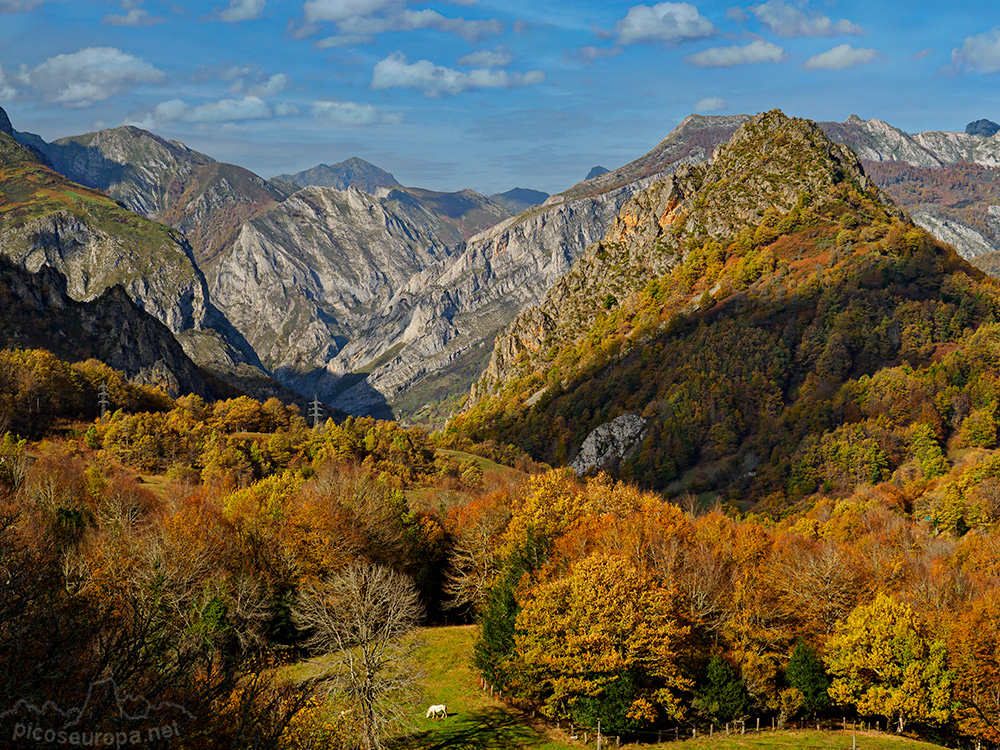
[596, 172]
[519, 199]
[353, 172]
[984, 127]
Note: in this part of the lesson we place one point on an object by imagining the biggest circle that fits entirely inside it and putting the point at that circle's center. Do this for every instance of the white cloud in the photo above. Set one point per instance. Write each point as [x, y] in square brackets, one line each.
[495, 58]
[18, 6]
[340, 10]
[978, 54]
[590, 53]
[710, 104]
[786, 21]
[360, 21]
[134, 17]
[351, 113]
[7, 90]
[91, 75]
[239, 10]
[226, 110]
[664, 22]
[725, 57]
[273, 85]
[435, 80]
[840, 57]
[286, 110]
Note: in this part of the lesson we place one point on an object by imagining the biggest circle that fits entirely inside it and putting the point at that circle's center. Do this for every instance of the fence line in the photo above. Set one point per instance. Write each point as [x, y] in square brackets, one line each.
[693, 731]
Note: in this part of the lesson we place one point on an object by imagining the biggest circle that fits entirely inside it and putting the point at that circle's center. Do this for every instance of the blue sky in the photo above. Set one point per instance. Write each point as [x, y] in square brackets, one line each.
[477, 93]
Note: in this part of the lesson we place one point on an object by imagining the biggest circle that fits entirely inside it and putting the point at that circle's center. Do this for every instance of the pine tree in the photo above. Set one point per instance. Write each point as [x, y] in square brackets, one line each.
[805, 671]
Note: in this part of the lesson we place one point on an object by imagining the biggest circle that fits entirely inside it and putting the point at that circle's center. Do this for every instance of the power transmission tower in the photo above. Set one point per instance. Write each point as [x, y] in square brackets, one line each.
[314, 411]
[102, 398]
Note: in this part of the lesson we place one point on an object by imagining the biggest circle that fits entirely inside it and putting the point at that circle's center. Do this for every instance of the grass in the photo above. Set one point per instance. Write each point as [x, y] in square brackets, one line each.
[477, 721]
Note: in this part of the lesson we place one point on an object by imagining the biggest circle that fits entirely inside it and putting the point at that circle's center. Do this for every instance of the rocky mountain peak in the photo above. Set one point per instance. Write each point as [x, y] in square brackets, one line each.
[771, 165]
[985, 128]
[5, 125]
[770, 161]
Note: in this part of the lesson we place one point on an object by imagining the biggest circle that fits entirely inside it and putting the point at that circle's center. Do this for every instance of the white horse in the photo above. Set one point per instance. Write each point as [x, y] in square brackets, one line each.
[439, 711]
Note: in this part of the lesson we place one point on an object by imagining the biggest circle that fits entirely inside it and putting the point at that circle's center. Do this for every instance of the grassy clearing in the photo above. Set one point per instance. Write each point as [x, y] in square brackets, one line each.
[477, 721]
[807, 740]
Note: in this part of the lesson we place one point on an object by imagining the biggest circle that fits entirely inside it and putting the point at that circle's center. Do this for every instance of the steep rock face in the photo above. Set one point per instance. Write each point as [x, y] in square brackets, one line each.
[767, 165]
[39, 312]
[301, 277]
[47, 220]
[132, 165]
[879, 141]
[211, 204]
[441, 325]
[434, 338]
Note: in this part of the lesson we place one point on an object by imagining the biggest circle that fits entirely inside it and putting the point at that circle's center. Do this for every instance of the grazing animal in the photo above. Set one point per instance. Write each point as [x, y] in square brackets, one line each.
[439, 711]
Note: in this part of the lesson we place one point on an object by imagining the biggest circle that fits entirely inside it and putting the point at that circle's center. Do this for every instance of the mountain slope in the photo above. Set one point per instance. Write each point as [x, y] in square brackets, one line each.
[764, 316]
[431, 342]
[352, 172]
[519, 199]
[130, 164]
[38, 313]
[949, 182]
[211, 204]
[96, 244]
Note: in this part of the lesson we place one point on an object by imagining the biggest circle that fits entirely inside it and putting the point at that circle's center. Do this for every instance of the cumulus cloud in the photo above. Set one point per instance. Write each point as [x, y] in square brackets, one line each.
[286, 110]
[273, 85]
[239, 10]
[591, 53]
[225, 110]
[89, 76]
[360, 21]
[978, 54]
[663, 22]
[495, 58]
[840, 57]
[787, 21]
[134, 17]
[7, 90]
[351, 113]
[726, 57]
[18, 6]
[710, 104]
[436, 80]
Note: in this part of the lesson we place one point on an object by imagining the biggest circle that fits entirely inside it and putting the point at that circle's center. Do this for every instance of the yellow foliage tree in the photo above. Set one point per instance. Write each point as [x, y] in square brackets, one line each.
[603, 642]
[883, 664]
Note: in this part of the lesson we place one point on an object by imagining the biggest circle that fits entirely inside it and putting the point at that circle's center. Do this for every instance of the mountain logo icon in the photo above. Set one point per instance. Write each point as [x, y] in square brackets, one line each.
[105, 719]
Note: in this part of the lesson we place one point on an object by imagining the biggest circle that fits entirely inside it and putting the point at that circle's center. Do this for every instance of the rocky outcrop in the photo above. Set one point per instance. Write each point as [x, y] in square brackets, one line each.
[984, 128]
[608, 445]
[39, 312]
[304, 278]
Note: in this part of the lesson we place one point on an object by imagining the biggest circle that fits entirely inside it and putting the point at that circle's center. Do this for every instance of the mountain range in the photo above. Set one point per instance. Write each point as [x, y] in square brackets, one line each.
[383, 299]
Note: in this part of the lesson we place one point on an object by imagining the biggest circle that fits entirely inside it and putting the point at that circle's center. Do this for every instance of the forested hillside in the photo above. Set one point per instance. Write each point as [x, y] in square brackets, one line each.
[188, 550]
[820, 342]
